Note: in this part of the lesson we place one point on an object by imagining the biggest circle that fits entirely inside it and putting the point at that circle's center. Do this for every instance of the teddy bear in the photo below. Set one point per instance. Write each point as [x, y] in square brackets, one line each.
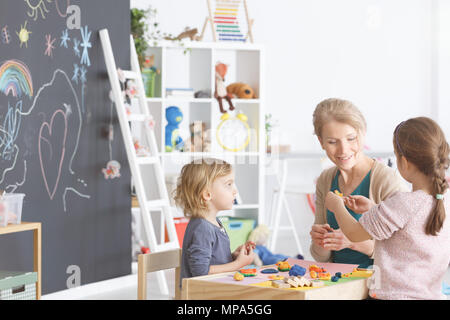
[241, 90]
[263, 256]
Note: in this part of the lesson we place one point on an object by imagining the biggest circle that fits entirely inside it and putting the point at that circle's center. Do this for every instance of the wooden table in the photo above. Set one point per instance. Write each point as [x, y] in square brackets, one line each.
[223, 287]
[37, 262]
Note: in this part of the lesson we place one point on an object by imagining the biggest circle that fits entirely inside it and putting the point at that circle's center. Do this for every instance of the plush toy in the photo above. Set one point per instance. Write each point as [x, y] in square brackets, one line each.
[200, 140]
[263, 256]
[241, 90]
[173, 140]
[221, 90]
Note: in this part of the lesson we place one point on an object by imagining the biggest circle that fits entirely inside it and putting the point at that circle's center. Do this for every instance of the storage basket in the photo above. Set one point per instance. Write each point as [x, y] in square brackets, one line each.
[238, 230]
[17, 285]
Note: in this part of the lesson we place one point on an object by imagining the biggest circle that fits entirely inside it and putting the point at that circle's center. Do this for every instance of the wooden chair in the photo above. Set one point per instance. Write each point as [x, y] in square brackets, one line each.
[151, 262]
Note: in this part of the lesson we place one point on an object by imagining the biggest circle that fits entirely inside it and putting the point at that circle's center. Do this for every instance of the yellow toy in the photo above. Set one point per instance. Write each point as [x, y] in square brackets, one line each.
[233, 133]
[340, 194]
[238, 276]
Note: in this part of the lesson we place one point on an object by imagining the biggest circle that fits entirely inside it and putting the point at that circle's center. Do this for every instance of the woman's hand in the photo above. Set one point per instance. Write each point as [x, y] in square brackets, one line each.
[358, 204]
[317, 233]
[336, 241]
[333, 202]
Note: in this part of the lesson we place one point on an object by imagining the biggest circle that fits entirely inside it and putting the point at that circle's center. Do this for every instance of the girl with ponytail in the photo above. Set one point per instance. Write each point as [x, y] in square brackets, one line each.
[411, 229]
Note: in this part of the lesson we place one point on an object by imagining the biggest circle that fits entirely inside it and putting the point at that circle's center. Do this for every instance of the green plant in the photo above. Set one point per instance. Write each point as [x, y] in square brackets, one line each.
[270, 123]
[145, 29]
[139, 29]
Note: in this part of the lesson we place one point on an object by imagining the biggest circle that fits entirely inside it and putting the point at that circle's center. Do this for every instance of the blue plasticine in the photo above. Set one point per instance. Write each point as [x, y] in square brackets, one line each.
[335, 279]
[269, 270]
[296, 270]
[338, 274]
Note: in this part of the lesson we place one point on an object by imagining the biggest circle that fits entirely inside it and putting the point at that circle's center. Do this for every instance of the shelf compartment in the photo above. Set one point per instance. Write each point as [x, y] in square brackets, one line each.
[192, 69]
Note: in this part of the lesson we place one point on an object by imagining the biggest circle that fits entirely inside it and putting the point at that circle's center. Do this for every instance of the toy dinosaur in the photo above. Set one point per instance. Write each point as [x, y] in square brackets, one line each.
[221, 90]
[187, 33]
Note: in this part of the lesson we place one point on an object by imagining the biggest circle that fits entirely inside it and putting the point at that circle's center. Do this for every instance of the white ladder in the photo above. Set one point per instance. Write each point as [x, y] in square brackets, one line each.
[147, 206]
[276, 211]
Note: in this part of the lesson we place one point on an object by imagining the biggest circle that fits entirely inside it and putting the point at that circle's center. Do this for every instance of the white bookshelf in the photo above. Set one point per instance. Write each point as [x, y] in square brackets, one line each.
[195, 69]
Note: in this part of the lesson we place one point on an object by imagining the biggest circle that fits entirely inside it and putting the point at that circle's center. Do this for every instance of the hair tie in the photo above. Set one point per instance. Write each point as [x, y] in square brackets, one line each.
[439, 196]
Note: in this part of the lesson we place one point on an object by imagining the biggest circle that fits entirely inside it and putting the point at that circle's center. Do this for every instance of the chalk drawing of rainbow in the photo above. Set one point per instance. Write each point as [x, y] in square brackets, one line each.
[15, 79]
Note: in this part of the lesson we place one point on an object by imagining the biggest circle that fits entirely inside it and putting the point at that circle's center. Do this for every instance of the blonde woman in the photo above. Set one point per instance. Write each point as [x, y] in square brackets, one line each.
[205, 187]
[341, 128]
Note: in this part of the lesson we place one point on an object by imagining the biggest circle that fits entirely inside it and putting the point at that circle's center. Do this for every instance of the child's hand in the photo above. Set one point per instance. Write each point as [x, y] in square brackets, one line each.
[358, 204]
[333, 202]
[248, 245]
[244, 258]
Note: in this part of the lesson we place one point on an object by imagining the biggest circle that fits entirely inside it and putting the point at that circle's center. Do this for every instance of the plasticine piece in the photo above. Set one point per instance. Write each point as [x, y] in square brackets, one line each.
[324, 276]
[280, 284]
[338, 274]
[238, 276]
[303, 282]
[317, 283]
[283, 266]
[291, 281]
[270, 270]
[340, 194]
[334, 278]
[313, 274]
[276, 277]
[317, 269]
[248, 272]
[359, 273]
[297, 270]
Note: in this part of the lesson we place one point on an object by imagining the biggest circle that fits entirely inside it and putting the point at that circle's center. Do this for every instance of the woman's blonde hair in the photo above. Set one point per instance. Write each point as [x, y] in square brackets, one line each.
[195, 178]
[338, 110]
[422, 142]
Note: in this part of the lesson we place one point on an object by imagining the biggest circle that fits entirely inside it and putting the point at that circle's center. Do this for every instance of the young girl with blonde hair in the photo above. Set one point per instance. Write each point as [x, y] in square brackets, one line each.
[205, 187]
[411, 229]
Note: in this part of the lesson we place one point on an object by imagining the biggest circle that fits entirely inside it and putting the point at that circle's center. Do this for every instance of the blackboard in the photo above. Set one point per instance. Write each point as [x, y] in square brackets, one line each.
[54, 112]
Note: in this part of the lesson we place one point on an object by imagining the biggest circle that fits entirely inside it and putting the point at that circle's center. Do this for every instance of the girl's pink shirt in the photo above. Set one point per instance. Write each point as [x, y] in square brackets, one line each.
[408, 263]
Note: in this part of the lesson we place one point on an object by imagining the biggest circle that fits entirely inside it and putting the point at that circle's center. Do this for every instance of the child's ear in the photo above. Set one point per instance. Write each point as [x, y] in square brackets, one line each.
[206, 194]
[407, 165]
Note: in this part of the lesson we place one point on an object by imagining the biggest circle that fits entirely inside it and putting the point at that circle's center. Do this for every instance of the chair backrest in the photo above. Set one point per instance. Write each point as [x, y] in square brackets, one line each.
[158, 261]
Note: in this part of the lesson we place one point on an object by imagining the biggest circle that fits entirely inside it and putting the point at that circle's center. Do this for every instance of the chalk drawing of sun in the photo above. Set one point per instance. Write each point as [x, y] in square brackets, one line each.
[35, 6]
[23, 34]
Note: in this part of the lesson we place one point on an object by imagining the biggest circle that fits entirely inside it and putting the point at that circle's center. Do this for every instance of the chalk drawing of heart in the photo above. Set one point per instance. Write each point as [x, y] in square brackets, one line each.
[49, 128]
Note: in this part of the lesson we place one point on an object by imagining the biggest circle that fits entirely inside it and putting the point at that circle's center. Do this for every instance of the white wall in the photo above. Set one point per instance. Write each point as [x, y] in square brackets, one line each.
[390, 57]
[376, 53]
